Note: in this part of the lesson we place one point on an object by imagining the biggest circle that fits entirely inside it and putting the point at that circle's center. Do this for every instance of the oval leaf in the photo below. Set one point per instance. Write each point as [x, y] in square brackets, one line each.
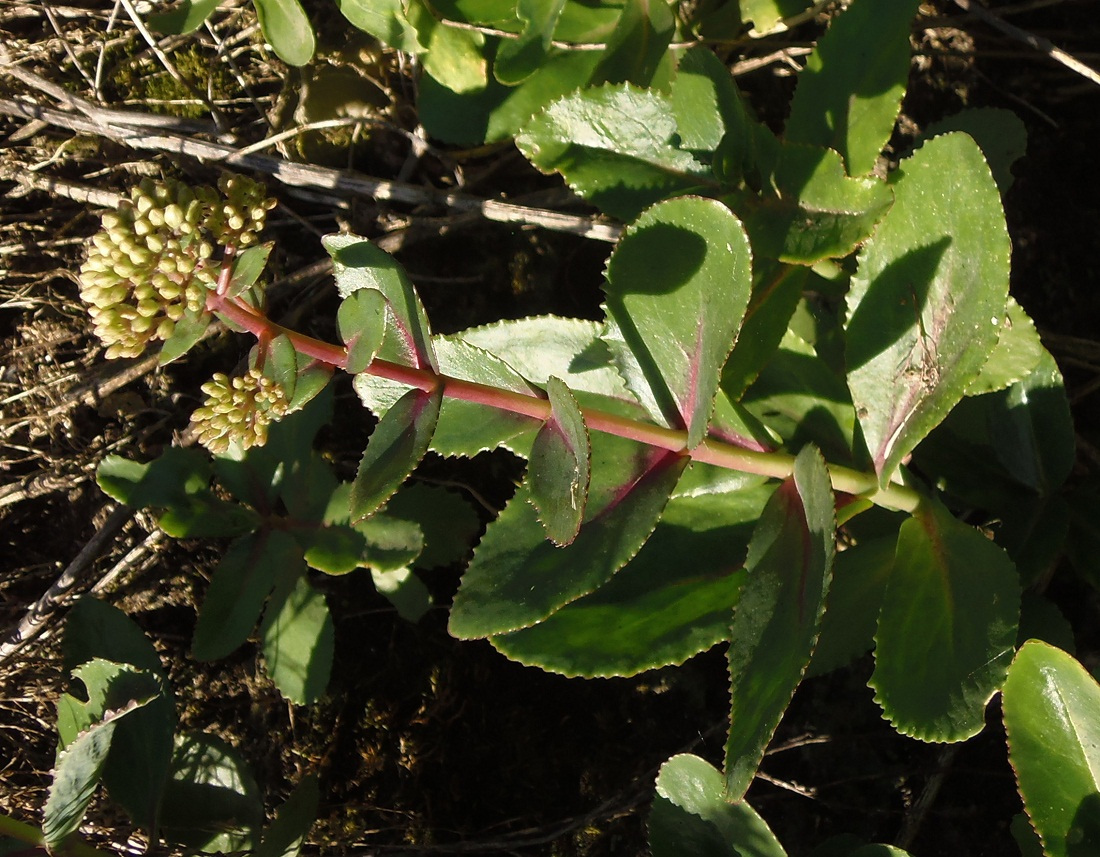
[776, 621]
[298, 640]
[560, 466]
[926, 304]
[517, 578]
[1052, 716]
[947, 629]
[677, 287]
[287, 29]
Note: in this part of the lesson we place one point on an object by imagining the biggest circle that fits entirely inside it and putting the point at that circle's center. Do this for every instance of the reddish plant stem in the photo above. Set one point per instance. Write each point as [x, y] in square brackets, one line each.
[774, 464]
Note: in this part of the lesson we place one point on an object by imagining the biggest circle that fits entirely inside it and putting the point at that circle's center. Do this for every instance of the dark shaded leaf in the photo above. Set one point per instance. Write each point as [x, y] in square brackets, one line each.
[298, 638]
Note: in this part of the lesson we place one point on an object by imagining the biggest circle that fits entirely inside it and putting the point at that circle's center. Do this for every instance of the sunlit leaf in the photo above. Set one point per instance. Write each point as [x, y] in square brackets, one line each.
[638, 44]
[925, 306]
[1000, 133]
[405, 591]
[559, 466]
[287, 28]
[361, 322]
[677, 287]
[298, 639]
[518, 59]
[692, 814]
[849, 93]
[776, 621]
[185, 17]
[185, 335]
[385, 20]
[1017, 353]
[1052, 717]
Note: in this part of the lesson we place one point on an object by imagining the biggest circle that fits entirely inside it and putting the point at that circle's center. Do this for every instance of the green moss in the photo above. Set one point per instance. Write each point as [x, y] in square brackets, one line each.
[144, 79]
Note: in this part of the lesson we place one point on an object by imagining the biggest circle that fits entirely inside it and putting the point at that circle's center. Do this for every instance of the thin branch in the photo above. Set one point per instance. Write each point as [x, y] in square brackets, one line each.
[1038, 42]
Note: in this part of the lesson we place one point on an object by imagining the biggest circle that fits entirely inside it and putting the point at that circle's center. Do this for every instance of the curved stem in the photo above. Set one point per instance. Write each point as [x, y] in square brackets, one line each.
[779, 465]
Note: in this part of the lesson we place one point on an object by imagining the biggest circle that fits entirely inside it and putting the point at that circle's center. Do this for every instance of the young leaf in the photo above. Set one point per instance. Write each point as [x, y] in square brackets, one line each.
[517, 578]
[693, 815]
[1052, 717]
[659, 610]
[947, 629]
[287, 29]
[677, 287]
[361, 321]
[810, 210]
[638, 44]
[559, 468]
[247, 267]
[358, 264]
[396, 446]
[212, 803]
[280, 363]
[241, 583]
[615, 145]
[767, 16]
[455, 57]
[849, 93]
[293, 820]
[926, 304]
[776, 621]
[518, 59]
[185, 335]
[705, 102]
[298, 639]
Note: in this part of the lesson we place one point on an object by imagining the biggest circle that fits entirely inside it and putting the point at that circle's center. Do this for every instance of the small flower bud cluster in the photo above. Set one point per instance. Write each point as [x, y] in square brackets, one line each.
[238, 410]
[148, 266]
[239, 219]
[145, 268]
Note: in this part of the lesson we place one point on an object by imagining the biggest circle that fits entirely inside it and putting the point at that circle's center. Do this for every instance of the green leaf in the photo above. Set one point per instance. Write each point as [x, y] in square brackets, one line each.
[659, 610]
[298, 638]
[449, 524]
[396, 446]
[677, 287]
[947, 629]
[185, 335]
[1052, 717]
[385, 20]
[518, 59]
[775, 623]
[293, 820]
[185, 17]
[517, 578]
[405, 591]
[1000, 133]
[391, 544]
[1040, 619]
[280, 363]
[775, 294]
[141, 752]
[498, 112]
[333, 549]
[454, 57]
[175, 475]
[312, 380]
[114, 690]
[615, 146]
[925, 306]
[767, 15]
[800, 398]
[860, 576]
[205, 516]
[705, 102]
[287, 29]
[693, 815]
[361, 321]
[212, 803]
[241, 582]
[638, 44]
[849, 93]
[543, 346]
[247, 267]
[357, 264]
[559, 468]
[810, 209]
[1016, 354]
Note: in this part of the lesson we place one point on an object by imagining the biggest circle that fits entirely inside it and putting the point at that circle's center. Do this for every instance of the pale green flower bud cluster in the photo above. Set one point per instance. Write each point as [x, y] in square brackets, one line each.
[239, 218]
[149, 265]
[238, 410]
